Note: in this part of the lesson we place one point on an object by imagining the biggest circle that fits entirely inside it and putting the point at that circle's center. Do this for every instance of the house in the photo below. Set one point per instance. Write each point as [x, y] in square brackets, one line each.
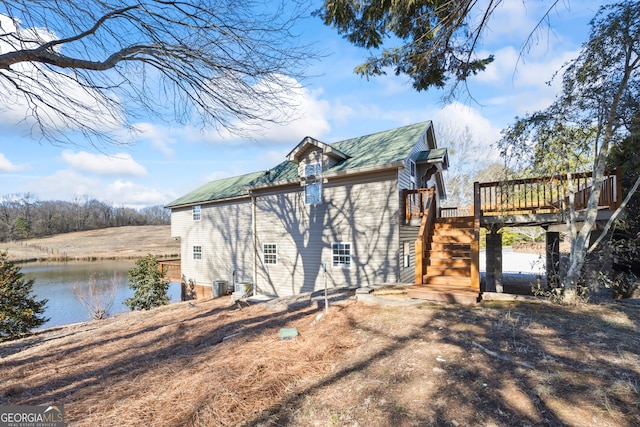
[336, 213]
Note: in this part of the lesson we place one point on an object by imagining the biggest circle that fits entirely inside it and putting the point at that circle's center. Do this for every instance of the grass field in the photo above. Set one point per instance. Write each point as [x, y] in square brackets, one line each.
[106, 243]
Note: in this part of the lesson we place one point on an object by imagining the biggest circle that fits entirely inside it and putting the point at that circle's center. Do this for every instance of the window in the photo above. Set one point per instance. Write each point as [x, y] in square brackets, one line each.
[313, 193]
[270, 253]
[313, 187]
[197, 252]
[313, 169]
[407, 254]
[412, 168]
[341, 255]
[196, 213]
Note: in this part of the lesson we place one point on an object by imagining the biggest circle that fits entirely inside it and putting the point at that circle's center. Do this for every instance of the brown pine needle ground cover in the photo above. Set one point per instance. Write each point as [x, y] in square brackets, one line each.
[209, 363]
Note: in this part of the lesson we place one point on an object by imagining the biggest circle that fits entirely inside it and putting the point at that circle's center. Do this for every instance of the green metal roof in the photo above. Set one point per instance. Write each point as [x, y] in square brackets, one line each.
[380, 148]
[375, 150]
[435, 154]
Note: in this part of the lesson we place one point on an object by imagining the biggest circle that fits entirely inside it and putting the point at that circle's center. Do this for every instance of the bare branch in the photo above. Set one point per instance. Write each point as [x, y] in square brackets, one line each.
[93, 66]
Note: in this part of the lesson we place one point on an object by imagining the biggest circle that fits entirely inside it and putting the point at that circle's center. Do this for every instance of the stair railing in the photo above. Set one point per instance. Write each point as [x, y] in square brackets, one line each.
[417, 201]
[424, 235]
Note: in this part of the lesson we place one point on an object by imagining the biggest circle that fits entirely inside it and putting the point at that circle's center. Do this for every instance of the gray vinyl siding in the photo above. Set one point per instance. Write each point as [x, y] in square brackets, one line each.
[408, 234]
[359, 210]
[404, 175]
[225, 235]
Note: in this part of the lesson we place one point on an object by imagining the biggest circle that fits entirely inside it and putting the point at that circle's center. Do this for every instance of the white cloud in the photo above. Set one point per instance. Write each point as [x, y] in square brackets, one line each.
[160, 137]
[460, 116]
[65, 185]
[302, 112]
[7, 166]
[102, 164]
[133, 195]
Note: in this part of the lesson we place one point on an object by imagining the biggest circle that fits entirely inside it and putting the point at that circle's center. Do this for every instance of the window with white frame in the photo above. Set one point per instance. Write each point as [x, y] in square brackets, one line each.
[313, 193]
[412, 168]
[341, 254]
[313, 169]
[196, 213]
[313, 187]
[197, 252]
[270, 253]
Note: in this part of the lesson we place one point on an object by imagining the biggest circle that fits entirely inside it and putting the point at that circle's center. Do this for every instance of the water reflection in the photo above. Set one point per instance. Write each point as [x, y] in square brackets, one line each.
[55, 281]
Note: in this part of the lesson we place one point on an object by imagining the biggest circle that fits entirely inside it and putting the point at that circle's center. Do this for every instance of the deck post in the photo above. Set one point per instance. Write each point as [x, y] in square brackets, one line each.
[494, 262]
[475, 244]
[552, 245]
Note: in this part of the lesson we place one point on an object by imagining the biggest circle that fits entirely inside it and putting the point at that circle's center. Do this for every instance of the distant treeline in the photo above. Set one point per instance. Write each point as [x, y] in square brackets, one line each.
[22, 216]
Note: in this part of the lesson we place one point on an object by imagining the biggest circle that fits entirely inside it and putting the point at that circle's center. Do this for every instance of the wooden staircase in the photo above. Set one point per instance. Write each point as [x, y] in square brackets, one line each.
[447, 262]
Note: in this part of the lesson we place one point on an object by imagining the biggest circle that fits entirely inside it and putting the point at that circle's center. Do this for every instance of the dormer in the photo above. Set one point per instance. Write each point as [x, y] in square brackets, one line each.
[314, 157]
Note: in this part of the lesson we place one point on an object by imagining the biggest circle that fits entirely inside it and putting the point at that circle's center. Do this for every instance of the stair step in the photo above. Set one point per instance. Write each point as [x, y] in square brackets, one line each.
[449, 247]
[458, 281]
[449, 261]
[444, 293]
[448, 228]
[449, 238]
[455, 220]
[437, 270]
[450, 254]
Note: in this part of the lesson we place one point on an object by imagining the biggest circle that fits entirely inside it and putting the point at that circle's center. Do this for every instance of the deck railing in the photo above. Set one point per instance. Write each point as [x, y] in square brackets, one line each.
[171, 268]
[417, 201]
[453, 212]
[424, 235]
[546, 194]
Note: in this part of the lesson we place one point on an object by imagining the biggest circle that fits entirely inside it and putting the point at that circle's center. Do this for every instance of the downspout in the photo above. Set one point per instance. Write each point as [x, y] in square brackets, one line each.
[255, 243]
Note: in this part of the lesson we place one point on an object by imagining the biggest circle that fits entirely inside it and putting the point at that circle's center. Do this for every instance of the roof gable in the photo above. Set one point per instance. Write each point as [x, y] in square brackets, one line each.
[309, 143]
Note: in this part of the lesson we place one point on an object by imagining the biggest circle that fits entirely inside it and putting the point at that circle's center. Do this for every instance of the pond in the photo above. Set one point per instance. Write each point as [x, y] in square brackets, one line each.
[55, 281]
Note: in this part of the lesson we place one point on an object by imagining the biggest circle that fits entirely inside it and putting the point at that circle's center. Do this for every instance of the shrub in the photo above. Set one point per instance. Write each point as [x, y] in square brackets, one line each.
[19, 311]
[149, 284]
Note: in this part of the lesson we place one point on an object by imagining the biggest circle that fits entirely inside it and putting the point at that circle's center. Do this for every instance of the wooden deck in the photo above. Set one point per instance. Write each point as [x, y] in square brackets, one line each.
[171, 268]
[447, 249]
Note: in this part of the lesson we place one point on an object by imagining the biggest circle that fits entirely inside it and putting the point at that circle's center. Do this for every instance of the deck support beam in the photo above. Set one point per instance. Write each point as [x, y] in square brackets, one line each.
[494, 262]
[552, 244]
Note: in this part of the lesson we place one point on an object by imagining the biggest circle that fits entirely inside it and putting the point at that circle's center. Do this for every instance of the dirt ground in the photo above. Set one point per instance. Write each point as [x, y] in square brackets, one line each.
[107, 243]
[212, 363]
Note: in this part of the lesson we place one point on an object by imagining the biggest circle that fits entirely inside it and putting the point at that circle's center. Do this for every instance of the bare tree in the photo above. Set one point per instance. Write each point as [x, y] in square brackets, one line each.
[98, 295]
[95, 66]
[600, 89]
[465, 162]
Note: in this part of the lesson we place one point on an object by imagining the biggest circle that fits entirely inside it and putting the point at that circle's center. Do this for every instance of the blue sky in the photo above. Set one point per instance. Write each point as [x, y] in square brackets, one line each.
[165, 161]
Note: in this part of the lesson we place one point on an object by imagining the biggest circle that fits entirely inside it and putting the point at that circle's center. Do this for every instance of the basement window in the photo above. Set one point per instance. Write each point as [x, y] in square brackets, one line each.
[406, 258]
[197, 252]
[341, 253]
[270, 253]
